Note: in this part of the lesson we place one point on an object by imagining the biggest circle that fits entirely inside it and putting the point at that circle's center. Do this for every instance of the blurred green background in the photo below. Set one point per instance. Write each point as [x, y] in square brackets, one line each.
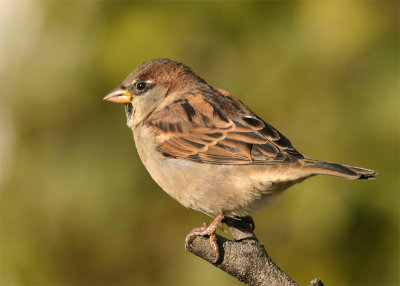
[78, 207]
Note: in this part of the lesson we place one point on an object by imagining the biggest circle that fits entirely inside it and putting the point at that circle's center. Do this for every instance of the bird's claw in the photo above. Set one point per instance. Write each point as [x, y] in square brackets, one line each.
[210, 231]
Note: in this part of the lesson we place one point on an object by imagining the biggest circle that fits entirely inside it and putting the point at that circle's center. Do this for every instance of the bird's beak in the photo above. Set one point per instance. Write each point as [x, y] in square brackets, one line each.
[119, 95]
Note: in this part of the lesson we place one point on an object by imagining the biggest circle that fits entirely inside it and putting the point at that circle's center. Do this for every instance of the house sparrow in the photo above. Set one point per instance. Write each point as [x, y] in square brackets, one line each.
[208, 150]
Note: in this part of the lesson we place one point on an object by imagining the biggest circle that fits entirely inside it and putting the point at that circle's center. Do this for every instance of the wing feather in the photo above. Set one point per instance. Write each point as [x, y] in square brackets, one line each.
[214, 127]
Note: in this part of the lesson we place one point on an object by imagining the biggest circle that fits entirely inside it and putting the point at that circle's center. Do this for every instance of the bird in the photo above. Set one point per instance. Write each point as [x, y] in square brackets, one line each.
[207, 149]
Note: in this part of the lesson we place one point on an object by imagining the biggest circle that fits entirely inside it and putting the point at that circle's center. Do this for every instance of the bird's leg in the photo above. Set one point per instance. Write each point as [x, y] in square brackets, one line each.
[208, 230]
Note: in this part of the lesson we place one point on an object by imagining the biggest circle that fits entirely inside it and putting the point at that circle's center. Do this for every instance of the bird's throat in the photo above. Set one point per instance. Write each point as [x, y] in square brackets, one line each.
[128, 111]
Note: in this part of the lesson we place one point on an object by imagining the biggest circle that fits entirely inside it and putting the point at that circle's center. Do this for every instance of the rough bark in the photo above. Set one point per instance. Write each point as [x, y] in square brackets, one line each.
[245, 258]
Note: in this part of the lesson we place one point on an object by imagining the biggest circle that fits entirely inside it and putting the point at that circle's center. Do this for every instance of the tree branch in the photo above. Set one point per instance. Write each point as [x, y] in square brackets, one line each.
[245, 258]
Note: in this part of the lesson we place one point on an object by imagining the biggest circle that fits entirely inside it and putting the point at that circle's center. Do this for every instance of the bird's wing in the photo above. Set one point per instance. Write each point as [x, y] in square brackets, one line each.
[214, 127]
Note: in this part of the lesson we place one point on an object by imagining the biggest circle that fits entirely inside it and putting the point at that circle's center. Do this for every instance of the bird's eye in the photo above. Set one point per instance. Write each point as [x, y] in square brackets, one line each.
[140, 85]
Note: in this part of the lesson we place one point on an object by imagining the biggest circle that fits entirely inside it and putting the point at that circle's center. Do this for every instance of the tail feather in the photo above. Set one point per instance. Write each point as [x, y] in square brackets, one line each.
[343, 171]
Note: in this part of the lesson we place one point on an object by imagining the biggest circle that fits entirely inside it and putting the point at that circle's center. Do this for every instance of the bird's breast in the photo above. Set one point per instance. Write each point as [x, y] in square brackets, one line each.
[211, 188]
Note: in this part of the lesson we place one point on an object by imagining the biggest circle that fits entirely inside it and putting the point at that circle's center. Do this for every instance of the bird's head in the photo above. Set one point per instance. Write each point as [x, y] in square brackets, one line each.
[150, 84]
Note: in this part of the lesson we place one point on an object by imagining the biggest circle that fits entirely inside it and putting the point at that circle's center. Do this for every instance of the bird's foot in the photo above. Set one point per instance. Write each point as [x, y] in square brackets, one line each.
[210, 231]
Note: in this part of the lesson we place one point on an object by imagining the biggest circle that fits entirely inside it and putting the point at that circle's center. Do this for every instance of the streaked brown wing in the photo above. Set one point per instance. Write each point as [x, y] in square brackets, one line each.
[214, 127]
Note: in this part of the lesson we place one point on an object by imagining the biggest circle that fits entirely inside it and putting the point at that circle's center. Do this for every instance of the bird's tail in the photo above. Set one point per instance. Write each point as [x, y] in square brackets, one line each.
[343, 171]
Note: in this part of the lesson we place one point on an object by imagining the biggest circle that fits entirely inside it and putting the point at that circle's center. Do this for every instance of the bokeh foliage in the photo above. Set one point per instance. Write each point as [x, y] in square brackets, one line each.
[78, 207]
